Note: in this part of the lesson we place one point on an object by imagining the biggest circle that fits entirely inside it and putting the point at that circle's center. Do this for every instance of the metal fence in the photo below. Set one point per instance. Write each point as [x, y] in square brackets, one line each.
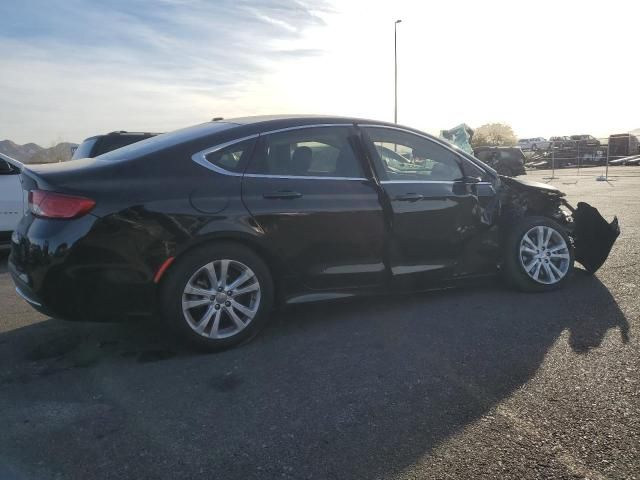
[559, 153]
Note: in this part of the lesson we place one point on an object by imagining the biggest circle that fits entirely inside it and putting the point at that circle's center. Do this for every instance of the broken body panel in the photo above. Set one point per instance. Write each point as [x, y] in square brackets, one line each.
[592, 236]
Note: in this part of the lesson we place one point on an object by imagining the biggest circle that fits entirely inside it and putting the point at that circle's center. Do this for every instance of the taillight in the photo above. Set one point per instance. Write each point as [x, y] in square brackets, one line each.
[57, 205]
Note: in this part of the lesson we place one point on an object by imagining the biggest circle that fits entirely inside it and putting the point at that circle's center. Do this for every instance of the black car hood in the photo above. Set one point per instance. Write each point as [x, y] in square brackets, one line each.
[530, 185]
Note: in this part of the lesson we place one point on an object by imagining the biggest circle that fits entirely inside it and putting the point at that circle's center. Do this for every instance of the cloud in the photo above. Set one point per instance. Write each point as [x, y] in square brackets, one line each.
[74, 68]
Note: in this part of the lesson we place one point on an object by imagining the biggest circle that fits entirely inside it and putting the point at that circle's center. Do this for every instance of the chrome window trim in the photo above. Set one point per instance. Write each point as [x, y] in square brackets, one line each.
[201, 157]
[433, 181]
[301, 177]
[433, 139]
[384, 182]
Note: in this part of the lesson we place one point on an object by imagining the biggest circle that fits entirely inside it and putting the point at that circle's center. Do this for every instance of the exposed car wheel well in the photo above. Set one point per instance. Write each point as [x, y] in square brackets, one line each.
[267, 257]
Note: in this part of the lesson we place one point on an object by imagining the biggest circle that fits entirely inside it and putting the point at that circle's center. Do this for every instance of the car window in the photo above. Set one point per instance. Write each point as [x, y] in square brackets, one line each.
[84, 149]
[7, 169]
[232, 158]
[422, 159]
[307, 152]
[108, 143]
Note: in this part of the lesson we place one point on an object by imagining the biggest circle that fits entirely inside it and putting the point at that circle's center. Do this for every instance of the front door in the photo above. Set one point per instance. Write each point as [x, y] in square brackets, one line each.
[306, 189]
[432, 205]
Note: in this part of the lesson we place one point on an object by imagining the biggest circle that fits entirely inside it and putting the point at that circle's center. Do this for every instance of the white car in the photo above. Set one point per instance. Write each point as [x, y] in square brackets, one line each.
[536, 143]
[12, 202]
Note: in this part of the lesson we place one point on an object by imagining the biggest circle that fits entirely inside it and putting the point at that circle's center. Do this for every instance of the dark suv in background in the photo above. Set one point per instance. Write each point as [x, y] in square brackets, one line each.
[99, 144]
[507, 161]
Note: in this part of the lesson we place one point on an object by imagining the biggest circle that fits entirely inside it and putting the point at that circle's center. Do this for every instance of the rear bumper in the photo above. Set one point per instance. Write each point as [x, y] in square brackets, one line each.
[25, 292]
[67, 270]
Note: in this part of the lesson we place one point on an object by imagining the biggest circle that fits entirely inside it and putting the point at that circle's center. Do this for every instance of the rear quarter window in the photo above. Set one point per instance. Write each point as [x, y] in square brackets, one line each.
[232, 158]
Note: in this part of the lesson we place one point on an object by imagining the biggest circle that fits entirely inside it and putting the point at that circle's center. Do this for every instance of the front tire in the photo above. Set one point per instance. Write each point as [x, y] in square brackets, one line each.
[538, 255]
[217, 296]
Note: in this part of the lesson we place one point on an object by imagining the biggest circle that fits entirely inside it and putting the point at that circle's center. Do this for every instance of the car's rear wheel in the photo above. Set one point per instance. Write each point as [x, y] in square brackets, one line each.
[539, 255]
[218, 296]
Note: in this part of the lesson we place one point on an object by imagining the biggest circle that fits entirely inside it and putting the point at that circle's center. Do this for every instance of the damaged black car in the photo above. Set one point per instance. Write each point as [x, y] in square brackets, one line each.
[209, 228]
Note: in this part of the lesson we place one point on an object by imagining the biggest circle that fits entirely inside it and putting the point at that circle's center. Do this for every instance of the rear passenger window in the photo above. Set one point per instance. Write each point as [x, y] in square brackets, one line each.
[307, 152]
[232, 158]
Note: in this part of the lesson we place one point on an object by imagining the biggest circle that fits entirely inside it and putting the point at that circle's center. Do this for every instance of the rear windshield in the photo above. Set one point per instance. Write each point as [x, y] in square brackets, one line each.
[84, 149]
[160, 142]
[109, 143]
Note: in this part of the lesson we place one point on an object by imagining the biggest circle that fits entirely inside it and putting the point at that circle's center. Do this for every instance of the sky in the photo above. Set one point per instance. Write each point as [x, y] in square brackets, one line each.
[70, 69]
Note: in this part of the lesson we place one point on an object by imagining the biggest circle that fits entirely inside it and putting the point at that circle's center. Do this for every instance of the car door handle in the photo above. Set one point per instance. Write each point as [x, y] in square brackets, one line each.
[282, 194]
[409, 197]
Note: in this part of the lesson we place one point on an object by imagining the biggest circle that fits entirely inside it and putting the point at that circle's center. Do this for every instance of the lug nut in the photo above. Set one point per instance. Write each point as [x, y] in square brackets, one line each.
[230, 292]
[217, 306]
[220, 289]
[227, 304]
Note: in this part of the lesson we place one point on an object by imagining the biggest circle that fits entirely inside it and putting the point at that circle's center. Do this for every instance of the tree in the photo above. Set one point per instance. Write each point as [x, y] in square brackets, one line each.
[494, 135]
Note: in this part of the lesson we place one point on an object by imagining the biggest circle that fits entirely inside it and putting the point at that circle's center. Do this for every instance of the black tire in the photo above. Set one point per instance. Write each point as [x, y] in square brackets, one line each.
[514, 270]
[180, 273]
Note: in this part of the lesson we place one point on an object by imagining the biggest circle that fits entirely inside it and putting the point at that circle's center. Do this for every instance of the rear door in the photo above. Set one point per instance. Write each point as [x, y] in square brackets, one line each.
[11, 198]
[307, 190]
[434, 207]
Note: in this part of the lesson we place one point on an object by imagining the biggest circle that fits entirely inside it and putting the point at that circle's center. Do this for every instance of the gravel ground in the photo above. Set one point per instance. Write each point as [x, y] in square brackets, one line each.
[475, 383]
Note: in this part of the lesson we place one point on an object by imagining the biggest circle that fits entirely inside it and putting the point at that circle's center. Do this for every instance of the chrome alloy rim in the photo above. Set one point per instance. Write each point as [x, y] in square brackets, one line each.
[221, 299]
[544, 255]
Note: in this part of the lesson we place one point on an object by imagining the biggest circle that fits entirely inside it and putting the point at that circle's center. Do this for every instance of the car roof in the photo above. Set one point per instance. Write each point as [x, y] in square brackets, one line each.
[300, 119]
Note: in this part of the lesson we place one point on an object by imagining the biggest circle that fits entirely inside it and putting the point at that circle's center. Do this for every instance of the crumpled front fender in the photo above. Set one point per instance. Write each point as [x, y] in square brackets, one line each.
[593, 236]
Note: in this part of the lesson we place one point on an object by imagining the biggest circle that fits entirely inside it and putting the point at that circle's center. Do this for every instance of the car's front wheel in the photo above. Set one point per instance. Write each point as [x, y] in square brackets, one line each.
[538, 255]
[218, 296]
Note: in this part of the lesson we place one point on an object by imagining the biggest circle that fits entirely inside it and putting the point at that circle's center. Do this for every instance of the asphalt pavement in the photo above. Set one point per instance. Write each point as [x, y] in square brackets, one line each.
[481, 382]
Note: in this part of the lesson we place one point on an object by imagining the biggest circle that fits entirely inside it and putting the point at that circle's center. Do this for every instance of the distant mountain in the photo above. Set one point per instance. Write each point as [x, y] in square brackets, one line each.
[636, 132]
[32, 153]
[60, 153]
[21, 153]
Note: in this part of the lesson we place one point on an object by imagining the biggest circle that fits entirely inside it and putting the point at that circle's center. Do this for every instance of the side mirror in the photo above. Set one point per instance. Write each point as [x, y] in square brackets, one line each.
[471, 180]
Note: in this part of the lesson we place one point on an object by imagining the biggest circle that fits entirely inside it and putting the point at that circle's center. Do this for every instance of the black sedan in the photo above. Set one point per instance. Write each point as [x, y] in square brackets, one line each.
[210, 227]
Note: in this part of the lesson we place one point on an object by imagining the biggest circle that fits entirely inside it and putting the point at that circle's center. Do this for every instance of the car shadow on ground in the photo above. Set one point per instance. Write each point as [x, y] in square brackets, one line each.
[346, 390]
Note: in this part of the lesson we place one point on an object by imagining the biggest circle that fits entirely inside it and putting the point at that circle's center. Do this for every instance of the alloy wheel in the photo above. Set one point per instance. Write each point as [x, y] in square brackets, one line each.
[544, 255]
[221, 299]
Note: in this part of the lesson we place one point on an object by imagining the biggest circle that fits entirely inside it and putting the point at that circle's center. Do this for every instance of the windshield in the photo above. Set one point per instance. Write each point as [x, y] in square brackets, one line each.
[84, 149]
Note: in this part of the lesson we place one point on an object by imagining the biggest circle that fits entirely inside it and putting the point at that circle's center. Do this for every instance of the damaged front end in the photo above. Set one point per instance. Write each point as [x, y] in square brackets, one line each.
[592, 236]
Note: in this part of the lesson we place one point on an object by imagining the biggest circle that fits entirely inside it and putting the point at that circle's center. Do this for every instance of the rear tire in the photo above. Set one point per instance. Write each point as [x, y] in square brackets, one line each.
[217, 296]
[538, 255]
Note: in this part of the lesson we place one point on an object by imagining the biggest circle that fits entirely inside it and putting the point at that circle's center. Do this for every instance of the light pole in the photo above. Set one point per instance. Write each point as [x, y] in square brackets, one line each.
[395, 62]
